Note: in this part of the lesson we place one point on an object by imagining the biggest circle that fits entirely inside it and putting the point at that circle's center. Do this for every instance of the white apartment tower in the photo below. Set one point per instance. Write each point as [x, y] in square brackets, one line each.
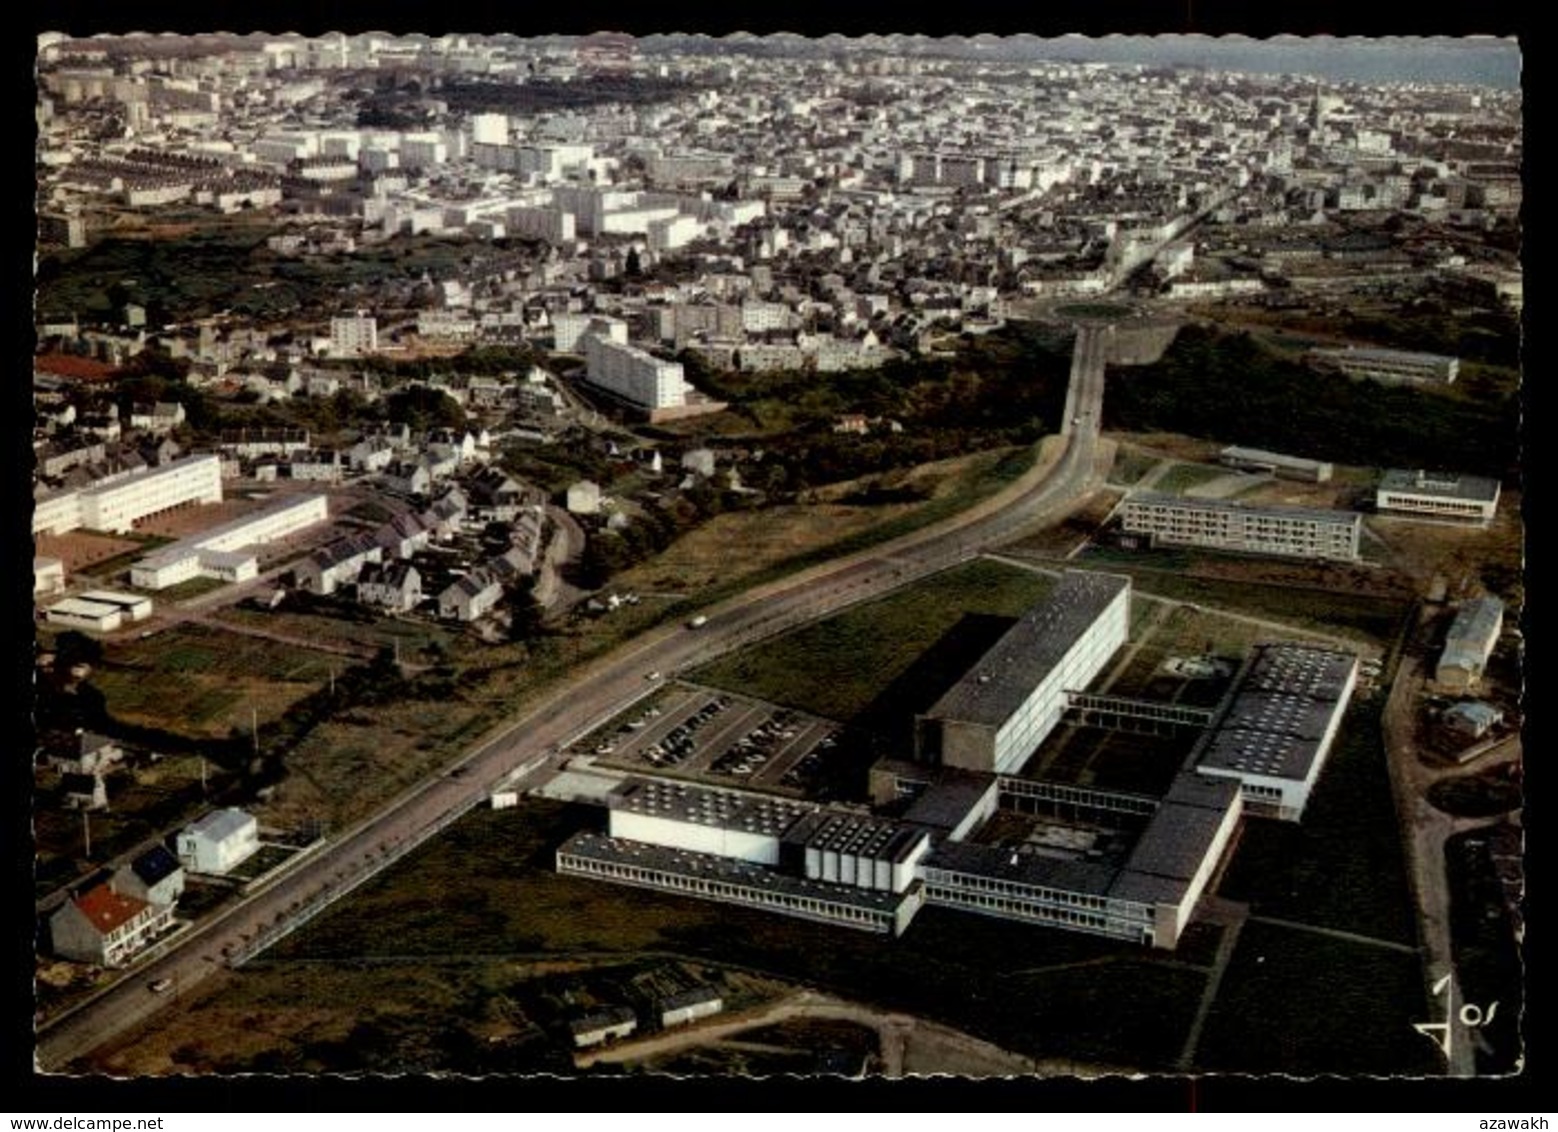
[354, 334]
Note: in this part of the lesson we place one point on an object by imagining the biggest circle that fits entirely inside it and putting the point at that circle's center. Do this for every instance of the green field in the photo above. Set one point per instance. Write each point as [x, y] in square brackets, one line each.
[199, 682]
[1342, 866]
[1298, 1002]
[1366, 618]
[1182, 477]
[1130, 466]
[872, 664]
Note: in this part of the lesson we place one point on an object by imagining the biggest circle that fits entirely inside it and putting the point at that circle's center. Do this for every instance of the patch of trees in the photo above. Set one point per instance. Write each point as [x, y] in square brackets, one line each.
[1000, 390]
[423, 407]
[1227, 387]
[470, 96]
[1491, 336]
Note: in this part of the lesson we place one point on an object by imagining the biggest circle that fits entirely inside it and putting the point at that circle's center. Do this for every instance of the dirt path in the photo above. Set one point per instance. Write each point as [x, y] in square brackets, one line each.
[908, 1045]
[1233, 918]
[1425, 830]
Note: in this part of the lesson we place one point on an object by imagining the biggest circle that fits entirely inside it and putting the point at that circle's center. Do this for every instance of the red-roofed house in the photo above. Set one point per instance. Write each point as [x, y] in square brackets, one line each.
[106, 927]
[72, 365]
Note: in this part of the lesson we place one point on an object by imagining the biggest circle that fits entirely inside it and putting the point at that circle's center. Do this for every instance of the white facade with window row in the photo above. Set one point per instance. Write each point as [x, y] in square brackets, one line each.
[1293, 532]
[219, 553]
[639, 378]
[117, 506]
[1437, 495]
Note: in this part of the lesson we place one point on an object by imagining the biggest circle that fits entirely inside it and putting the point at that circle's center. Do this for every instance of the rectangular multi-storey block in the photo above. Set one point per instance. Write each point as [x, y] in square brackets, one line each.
[1295, 532]
[118, 506]
[996, 716]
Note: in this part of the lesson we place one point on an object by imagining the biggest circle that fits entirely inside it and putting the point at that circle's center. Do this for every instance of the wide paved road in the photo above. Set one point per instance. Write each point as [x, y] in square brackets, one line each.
[598, 692]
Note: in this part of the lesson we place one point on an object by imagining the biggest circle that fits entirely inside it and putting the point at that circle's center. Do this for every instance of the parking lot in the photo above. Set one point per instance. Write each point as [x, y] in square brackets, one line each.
[717, 737]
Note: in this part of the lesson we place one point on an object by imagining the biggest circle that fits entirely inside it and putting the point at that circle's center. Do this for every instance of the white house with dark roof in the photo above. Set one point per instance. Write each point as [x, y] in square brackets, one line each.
[336, 564]
[154, 876]
[470, 597]
[395, 586]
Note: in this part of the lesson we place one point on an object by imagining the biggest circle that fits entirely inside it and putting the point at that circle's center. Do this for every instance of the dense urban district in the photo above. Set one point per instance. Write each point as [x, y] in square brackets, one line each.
[597, 555]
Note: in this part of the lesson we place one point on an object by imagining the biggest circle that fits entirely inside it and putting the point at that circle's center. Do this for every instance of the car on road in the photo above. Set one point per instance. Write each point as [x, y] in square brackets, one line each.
[652, 675]
[698, 622]
[157, 986]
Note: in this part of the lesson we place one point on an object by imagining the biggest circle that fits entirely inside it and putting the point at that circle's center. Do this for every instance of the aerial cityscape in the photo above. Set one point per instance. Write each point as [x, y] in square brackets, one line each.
[619, 555]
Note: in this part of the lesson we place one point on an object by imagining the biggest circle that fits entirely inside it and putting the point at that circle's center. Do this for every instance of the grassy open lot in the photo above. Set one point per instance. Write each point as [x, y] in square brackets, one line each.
[201, 683]
[1363, 617]
[1110, 760]
[143, 802]
[419, 641]
[1342, 866]
[781, 539]
[488, 888]
[1130, 465]
[1298, 1002]
[183, 591]
[347, 766]
[880, 660]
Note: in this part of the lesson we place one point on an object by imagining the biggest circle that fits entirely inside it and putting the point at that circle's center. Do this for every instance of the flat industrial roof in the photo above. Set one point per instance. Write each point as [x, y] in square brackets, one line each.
[1440, 485]
[1260, 455]
[862, 835]
[113, 597]
[1374, 354]
[194, 544]
[1006, 675]
[945, 803]
[613, 850]
[1088, 878]
[1279, 712]
[1167, 854]
[80, 607]
[705, 805]
[1175, 842]
[1276, 511]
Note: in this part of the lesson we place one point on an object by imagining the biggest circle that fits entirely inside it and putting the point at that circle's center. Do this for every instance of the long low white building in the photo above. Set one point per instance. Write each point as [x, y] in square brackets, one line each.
[1390, 366]
[118, 505]
[1437, 495]
[78, 613]
[222, 552]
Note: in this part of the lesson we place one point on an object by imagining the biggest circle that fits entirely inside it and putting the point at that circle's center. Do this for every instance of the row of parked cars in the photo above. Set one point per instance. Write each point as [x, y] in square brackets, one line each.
[680, 743]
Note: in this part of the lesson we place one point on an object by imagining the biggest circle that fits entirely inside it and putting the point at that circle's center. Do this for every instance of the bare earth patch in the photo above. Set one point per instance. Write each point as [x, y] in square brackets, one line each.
[80, 549]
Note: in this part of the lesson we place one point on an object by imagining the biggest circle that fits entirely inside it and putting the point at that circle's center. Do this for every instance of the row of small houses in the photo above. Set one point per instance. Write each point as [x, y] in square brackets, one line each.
[379, 562]
[113, 918]
[398, 464]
